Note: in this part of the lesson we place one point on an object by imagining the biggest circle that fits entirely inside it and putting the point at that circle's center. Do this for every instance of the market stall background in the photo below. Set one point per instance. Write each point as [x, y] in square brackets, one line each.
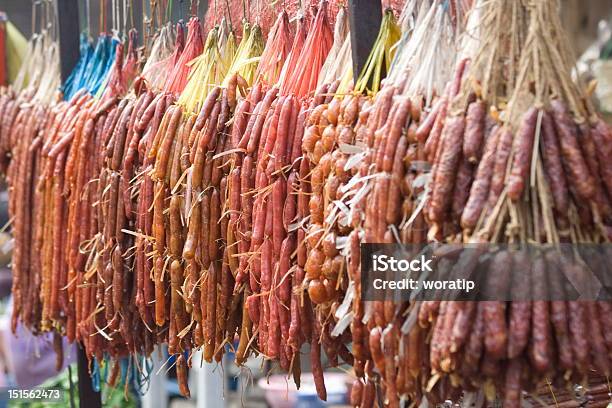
[311, 152]
[580, 17]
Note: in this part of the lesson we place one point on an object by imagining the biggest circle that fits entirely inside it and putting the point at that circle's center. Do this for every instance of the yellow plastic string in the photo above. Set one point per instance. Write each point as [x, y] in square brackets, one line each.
[247, 55]
[228, 49]
[199, 81]
[381, 55]
[209, 69]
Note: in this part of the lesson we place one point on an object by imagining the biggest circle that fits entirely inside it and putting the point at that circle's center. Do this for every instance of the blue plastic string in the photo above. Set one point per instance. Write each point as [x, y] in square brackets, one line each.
[95, 376]
[72, 84]
[124, 370]
[93, 67]
[142, 381]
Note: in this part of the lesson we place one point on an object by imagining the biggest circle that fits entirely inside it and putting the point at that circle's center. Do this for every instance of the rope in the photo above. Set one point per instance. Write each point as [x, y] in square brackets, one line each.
[88, 17]
[125, 17]
[169, 10]
[131, 7]
[34, 3]
[103, 15]
[229, 16]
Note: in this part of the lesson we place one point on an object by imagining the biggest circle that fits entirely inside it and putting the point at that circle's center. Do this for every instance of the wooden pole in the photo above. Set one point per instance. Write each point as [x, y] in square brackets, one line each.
[88, 398]
[68, 23]
[365, 17]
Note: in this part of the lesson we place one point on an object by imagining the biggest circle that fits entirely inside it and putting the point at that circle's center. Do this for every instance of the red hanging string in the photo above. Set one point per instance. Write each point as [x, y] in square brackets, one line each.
[177, 78]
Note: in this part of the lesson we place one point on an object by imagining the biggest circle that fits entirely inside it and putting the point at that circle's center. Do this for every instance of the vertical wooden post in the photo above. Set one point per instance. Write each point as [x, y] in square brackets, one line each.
[88, 398]
[365, 17]
[68, 23]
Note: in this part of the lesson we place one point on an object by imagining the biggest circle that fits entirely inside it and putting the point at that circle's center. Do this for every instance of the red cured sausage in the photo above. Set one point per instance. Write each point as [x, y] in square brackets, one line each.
[474, 131]
[578, 171]
[447, 168]
[481, 184]
[551, 158]
[522, 148]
